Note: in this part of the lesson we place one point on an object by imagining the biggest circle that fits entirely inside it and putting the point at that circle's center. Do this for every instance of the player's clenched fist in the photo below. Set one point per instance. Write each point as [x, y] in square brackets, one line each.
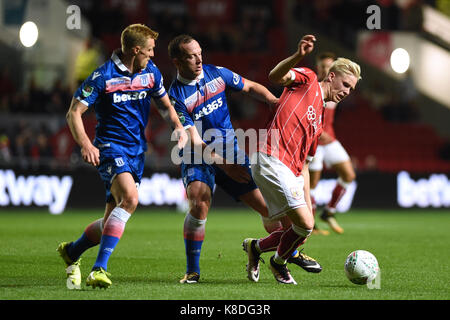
[306, 44]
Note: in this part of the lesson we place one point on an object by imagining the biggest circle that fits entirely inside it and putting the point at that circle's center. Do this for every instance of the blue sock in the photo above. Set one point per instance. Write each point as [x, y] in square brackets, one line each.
[193, 249]
[76, 248]
[107, 245]
[294, 253]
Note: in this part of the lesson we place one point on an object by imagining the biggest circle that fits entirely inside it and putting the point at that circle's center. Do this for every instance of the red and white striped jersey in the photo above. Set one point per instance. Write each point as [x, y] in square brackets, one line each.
[328, 119]
[293, 132]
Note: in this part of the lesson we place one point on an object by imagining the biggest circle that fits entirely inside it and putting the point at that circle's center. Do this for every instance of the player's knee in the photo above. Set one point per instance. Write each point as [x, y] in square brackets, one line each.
[130, 202]
[308, 224]
[348, 177]
[263, 211]
[199, 202]
[198, 208]
[302, 231]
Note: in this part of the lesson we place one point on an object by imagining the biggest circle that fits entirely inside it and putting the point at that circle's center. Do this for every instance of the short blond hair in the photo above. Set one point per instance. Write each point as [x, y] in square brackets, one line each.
[346, 66]
[136, 35]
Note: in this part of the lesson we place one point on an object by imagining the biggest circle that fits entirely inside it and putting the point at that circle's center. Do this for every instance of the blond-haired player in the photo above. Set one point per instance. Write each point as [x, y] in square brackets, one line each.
[197, 88]
[120, 91]
[280, 167]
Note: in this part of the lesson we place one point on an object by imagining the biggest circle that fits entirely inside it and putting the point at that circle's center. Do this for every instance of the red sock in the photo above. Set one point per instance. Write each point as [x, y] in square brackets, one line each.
[338, 192]
[94, 231]
[193, 228]
[270, 243]
[291, 240]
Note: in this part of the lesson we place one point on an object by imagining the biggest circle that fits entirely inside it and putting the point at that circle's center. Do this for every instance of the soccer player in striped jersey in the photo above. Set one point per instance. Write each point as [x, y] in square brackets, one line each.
[198, 95]
[280, 167]
[120, 91]
[331, 153]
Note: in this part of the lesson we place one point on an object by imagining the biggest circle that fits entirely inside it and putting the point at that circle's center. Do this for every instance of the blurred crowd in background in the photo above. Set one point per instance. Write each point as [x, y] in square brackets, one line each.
[247, 37]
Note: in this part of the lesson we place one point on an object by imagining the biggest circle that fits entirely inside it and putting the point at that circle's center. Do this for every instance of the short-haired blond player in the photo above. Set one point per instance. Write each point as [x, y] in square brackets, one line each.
[280, 168]
[120, 91]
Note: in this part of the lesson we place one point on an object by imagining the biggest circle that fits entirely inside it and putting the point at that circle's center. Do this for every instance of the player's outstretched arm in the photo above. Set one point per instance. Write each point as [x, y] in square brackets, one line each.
[259, 92]
[169, 114]
[235, 171]
[89, 152]
[280, 74]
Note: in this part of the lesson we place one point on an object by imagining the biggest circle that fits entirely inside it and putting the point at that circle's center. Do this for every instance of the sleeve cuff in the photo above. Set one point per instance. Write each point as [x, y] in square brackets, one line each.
[83, 101]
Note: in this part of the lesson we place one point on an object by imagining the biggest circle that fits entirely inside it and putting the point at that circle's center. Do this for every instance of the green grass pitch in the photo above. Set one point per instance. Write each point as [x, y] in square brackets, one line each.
[412, 248]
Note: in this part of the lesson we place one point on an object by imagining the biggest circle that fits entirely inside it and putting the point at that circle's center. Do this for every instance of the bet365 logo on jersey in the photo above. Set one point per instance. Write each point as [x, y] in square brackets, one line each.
[124, 97]
[210, 107]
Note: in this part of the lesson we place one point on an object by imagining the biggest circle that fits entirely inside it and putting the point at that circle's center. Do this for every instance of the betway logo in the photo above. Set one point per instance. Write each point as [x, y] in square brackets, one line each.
[124, 97]
[434, 191]
[40, 190]
[161, 189]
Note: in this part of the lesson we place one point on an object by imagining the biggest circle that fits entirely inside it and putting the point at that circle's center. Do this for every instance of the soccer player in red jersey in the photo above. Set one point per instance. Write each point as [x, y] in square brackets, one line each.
[331, 153]
[280, 165]
[194, 93]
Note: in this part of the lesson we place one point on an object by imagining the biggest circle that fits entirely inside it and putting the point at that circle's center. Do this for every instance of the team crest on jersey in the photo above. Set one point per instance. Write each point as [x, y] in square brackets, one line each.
[144, 80]
[311, 113]
[87, 90]
[211, 87]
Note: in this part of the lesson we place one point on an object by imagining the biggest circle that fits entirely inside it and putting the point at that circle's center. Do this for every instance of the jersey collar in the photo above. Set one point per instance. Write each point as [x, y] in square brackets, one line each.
[115, 58]
[188, 81]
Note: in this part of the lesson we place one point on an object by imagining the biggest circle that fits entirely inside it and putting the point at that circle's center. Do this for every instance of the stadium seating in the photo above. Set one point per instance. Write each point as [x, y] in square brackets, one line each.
[395, 146]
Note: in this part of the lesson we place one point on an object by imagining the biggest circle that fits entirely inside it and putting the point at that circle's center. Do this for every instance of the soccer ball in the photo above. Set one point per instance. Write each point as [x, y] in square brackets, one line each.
[361, 267]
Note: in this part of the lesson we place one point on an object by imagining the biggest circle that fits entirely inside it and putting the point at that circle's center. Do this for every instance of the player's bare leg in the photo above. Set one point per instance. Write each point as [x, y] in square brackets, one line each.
[275, 228]
[71, 252]
[302, 225]
[199, 195]
[126, 197]
[255, 200]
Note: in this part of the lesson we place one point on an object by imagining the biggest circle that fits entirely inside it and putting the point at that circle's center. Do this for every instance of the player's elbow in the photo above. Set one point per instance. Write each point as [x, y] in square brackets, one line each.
[272, 77]
[75, 111]
[69, 116]
[275, 78]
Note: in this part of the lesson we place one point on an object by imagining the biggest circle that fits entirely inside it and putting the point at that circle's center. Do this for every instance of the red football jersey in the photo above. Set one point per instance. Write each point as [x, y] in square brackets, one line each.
[328, 119]
[294, 130]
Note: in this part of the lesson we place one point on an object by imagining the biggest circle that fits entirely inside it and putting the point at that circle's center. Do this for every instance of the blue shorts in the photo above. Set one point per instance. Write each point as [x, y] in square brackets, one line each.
[113, 162]
[212, 175]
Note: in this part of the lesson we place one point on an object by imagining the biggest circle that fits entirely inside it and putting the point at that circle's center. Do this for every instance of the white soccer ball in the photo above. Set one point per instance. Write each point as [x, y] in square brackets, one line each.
[361, 267]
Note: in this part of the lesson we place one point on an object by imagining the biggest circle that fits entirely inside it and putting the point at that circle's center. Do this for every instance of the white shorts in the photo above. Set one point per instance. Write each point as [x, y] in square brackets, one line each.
[329, 154]
[281, 189]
